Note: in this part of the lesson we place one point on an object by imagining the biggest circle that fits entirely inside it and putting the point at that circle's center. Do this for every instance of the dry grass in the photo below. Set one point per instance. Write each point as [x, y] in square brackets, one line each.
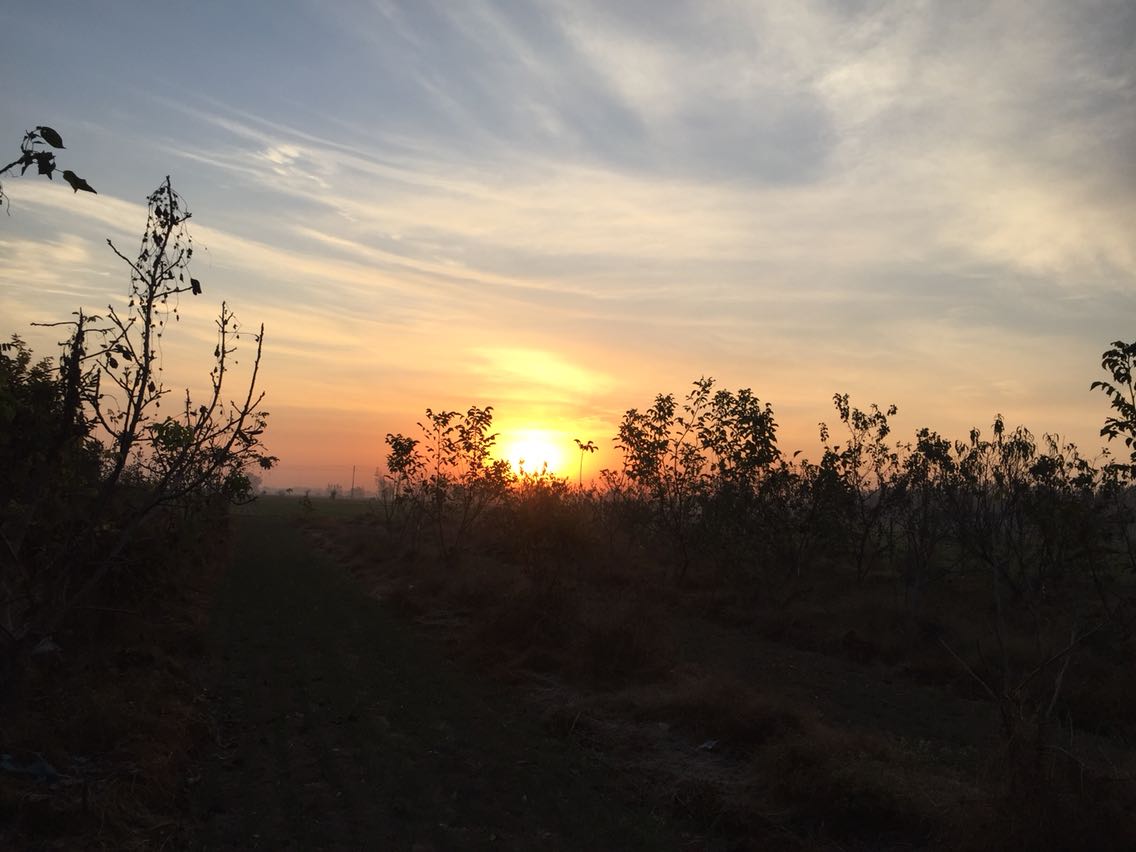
[714, 706]
[870, 624]
[117, 713]
[736, 761]
[1043, 798]
[600, 632]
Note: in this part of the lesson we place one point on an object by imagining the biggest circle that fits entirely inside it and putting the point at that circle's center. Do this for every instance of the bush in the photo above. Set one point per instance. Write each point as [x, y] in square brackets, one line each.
[96, 478]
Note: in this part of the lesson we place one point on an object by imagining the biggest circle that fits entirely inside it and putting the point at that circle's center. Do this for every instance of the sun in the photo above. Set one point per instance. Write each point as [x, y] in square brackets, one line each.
[532, 449]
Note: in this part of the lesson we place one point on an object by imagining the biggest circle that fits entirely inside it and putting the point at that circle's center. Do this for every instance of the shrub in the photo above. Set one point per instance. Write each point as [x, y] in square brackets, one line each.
[103, 471]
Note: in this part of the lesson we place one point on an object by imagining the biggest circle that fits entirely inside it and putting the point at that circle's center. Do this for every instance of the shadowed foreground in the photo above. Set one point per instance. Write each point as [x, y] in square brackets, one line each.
[338, 729]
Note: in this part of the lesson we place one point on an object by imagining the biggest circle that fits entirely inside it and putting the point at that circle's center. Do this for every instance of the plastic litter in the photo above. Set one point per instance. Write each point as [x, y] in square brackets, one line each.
[37, 768]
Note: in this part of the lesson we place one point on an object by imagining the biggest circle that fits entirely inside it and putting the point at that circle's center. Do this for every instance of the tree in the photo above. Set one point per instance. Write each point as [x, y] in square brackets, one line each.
[1120, 362]
[708, 454]
[455, 479]
[205, 448]
[588, 447]
[73, 524]
[866, 468]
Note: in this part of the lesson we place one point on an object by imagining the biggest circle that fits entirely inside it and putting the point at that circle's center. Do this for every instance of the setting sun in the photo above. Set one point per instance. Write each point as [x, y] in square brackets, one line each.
[531, 450]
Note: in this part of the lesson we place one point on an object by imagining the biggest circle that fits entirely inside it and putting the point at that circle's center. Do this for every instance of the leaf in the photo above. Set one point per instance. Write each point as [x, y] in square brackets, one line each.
[77, 182]
[45, 163]
[50, 136]
[195, 286]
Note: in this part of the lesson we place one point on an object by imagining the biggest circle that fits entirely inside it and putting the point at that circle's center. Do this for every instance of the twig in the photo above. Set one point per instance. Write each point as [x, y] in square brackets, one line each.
[1077, 640]
[969, 670]
[1060, 677]
[109, 609]
[572, 727]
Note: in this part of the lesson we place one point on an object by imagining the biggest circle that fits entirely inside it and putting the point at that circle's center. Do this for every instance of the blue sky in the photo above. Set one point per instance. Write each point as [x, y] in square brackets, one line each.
[563, 208]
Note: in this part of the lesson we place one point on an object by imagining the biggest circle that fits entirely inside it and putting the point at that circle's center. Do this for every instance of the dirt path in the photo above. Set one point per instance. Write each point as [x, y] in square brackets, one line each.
[339, 729]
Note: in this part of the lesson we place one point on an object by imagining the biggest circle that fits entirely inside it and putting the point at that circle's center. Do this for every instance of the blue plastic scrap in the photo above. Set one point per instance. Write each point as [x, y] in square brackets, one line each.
[39, 769]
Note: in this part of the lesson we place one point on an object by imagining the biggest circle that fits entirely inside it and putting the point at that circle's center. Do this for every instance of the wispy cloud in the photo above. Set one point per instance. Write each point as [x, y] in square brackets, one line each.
[930, 202]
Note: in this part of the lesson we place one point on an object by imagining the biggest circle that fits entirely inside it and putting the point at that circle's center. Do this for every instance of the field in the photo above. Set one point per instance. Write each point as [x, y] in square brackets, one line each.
[557, 683]
[811, 713]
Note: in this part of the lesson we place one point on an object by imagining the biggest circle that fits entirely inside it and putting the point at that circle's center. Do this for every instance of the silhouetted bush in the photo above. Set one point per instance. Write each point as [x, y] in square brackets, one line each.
[98, 483]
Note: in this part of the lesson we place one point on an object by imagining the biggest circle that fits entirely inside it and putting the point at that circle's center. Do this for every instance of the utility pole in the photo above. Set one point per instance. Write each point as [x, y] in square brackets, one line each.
[352, 482]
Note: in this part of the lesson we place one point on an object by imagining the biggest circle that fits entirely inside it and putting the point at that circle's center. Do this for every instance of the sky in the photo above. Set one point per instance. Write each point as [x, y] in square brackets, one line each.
[562, 209]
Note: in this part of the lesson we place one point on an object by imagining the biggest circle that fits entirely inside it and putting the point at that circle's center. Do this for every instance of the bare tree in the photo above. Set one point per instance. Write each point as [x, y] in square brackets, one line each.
[110, 394]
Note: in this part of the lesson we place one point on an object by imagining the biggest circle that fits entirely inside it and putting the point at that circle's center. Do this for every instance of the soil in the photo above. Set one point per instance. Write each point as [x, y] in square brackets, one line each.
[338, 727]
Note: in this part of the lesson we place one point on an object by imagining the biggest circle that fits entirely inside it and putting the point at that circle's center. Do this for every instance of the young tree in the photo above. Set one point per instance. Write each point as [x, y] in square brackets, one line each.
[588, 447]
[1120, 362]
[867, 468]
[663, 458]
[456, 479]
[699, 464]
[107, 396]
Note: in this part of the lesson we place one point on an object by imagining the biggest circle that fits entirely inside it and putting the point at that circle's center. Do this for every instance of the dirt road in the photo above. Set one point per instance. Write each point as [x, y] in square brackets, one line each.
[338, 728]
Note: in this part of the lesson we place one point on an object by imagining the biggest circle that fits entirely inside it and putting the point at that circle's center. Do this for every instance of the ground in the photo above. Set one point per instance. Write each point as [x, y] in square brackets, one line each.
[340, 728]
[324, 690]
